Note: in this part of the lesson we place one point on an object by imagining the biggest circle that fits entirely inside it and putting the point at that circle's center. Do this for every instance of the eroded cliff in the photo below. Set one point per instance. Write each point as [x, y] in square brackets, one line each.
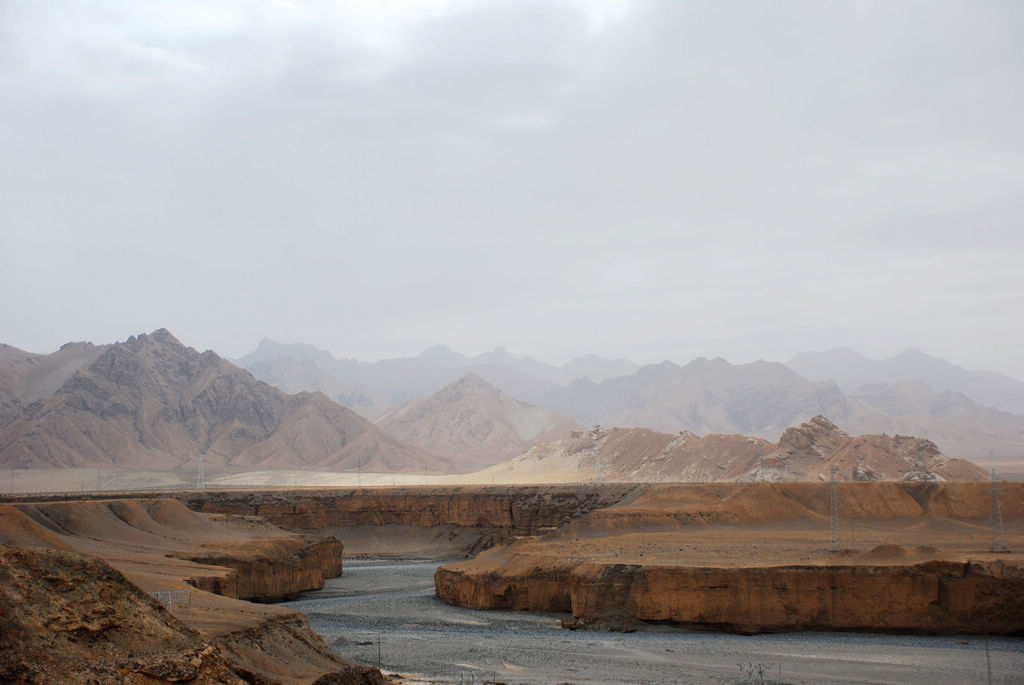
[417, 521]
[757, 557]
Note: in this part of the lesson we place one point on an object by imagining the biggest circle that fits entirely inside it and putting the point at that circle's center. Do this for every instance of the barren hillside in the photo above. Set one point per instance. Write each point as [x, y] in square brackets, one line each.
[474, 422]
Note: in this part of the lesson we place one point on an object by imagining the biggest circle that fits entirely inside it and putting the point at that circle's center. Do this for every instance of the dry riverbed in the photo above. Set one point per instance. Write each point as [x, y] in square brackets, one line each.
[387, 610]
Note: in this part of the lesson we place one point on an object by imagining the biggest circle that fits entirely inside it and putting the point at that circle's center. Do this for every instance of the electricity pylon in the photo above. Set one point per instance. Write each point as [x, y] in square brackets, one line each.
[833, 504]
[997, 534]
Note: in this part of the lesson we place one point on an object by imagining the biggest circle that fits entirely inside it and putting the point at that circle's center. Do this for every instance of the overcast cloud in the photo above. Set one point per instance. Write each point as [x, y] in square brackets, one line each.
[647, 179]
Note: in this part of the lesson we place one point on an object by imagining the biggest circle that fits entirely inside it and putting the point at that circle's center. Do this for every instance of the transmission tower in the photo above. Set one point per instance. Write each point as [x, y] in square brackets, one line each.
[597, 465]
[200, 476]
[997, 535]
[833, 505]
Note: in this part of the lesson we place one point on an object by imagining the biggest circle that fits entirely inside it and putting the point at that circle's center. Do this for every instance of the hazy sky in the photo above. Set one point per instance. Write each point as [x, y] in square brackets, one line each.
[647, 179]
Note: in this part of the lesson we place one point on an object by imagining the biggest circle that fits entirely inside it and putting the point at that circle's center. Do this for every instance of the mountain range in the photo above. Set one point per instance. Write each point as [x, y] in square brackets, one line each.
[376, 388]
[759, 399]
[151, 402]
[852, 370]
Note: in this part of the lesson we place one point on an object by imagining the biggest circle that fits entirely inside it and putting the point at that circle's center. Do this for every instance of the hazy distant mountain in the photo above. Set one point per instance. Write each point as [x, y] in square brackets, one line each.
[597, 368]
[705, 396]
[803, 453]
[959, 425]
[851, 370]
[151, 402]
[474, 422]
[305, 375]
[761, 399]
[376, 388]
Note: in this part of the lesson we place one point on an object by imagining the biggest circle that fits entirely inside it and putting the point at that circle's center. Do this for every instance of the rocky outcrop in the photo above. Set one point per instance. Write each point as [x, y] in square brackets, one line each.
[69, 618]
[66, 617]
[807, 452]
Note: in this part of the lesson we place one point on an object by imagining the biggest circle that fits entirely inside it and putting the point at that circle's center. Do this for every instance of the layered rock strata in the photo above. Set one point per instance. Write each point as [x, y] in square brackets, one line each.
[929, 597]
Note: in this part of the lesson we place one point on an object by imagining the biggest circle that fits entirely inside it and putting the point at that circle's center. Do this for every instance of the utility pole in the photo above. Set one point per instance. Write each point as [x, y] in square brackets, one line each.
[997, 534]
[761, 457]
[833, 502]
[201, 476]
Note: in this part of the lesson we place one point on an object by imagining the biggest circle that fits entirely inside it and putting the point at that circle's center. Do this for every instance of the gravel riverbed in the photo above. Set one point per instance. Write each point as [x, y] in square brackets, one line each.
[385, 613]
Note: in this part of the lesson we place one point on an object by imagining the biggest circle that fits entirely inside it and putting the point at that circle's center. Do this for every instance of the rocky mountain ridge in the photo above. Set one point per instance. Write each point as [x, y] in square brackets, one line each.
[151, 402]
[804, 453]
[704, 396]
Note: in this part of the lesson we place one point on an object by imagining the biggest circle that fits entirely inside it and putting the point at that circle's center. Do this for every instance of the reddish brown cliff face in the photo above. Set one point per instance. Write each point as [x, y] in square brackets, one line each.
[929, 597]
[274, 571]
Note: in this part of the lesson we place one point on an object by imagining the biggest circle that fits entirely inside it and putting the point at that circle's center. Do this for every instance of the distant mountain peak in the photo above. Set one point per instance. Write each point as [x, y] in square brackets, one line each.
[473, 420]
[469, 382]
[160, 336]
[498, 354]
[443, 355]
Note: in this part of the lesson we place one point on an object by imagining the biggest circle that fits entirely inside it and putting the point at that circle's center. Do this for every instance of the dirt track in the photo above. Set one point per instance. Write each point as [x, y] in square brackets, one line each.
[421, 636]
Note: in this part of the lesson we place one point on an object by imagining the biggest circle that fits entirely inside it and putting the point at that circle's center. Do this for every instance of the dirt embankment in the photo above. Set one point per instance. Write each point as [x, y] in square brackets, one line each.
[203, 565]
[757, 557]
